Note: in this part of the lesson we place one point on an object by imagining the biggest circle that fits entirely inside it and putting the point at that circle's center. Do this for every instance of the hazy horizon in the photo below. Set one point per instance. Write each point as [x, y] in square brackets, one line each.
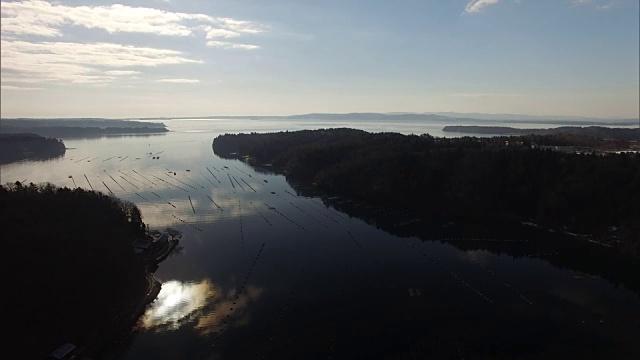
[165, 58]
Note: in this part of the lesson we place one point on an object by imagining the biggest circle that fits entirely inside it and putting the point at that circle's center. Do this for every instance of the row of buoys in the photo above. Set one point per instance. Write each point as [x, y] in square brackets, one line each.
[144, 177]
[250, 187]
[212, 174]
[261, 214]
[130, 183]
[284, 216]
[237, 182]
[282, 315]
[214, 203]
[451, 273]
[186, 223]
[314, 201]
[354, 240]
[506, 284]
[304, 212]
[166, 182]
[121, 160]
[191, 202]
[231, 181]
[339, 311]
[108, 159]
[240, 218]
[114, 180]
[249, 175]
[147, 200]
[132, 178]
[481, 239]
[209, 180]
[85, 176]
[181, 181]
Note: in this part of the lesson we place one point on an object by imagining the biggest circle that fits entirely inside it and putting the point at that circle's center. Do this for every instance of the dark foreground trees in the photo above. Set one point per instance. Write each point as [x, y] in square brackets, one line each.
[500, 177]
[69, 268]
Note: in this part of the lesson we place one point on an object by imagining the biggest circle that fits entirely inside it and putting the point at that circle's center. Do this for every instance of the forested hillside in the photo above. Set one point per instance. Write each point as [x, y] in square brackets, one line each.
[498, 177]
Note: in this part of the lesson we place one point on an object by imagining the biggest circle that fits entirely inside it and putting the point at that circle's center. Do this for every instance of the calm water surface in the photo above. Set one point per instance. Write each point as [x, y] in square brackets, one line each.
[264, 272]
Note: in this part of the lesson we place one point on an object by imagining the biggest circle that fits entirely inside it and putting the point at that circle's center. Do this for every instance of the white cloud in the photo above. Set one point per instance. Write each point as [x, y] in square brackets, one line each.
[78, 63]
[121, 72]
[42, 18]
[228, 45]
[180, 81]
[476, 6]
[217, 33]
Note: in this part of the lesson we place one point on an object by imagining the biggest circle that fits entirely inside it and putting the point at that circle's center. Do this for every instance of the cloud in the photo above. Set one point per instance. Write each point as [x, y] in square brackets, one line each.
[180, 81]
[121, 72]
[476, 6]
[217, 33]
[69, 62]
[45, 19]
[228, 45]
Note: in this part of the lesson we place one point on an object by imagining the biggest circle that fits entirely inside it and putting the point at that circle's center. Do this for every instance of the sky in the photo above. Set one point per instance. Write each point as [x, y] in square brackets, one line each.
[164, 58]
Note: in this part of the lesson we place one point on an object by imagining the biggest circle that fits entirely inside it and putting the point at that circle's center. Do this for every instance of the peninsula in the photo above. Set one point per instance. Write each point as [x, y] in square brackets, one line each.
[511, 178]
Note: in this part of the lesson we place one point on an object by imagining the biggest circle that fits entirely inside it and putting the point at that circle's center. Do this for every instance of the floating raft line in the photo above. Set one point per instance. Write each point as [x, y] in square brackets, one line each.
[214, 203]
[219, 182]
[121, 160]
[261, 214]
[282, 315]
[183, 189]
[114, 180]
[108, 159]
[284, 216]
[190, 202]
[186, 223]
[142, 176]
[182, 182]
[85, 176]
[231, 180]
[249, 175]
[237, 182]
[105, 185]
[240, 218]
[209, 180]
[354, 240]
[84, 158]
[147, 200]
[239, 292]
[130, 183]
[72, 179]
[304, 212]
[250, 187]
[131, 177]
[451, 273]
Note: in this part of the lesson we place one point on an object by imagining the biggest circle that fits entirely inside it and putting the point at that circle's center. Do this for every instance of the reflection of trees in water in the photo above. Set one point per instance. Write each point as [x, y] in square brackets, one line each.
[497, 237]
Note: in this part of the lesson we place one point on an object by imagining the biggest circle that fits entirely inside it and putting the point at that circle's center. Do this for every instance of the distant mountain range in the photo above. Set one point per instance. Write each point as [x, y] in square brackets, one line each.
[453, 118]
[438, 116]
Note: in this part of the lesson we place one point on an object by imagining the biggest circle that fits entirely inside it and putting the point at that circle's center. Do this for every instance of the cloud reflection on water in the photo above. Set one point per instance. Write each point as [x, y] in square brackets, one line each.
[203, 304]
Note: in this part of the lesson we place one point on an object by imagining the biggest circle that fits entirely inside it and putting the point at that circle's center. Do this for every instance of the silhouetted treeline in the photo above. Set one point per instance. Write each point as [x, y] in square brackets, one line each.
[81, 128]
[493, 178]
[594, 133]
[16, 147]
[70, 271]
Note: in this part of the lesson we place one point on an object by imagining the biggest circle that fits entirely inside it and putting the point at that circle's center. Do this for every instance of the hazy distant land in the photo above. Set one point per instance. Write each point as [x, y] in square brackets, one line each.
[80, 128]
[16, 147]
[589, 131]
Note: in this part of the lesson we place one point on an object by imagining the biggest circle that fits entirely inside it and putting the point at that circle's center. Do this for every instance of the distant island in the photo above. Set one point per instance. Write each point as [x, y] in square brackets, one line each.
[81, 128]
[24, 146]
[451, 117]
[73, 274]
[506, 178]
[597, 132]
